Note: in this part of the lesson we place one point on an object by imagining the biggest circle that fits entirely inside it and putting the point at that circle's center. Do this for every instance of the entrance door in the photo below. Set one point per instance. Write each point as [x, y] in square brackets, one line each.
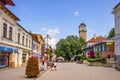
[23, 59]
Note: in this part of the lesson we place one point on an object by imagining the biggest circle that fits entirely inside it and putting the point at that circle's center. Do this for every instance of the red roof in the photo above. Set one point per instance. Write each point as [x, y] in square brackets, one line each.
[97, 39]
[34, 36]
[116, 5]
[7, 2]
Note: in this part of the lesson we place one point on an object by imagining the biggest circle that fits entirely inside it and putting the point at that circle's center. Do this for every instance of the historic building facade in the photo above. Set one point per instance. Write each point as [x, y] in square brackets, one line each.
[38, 46]
[101, 45]
[116, 12]
[7, 37]
[82, 31]
[15, 41]
[23, 43]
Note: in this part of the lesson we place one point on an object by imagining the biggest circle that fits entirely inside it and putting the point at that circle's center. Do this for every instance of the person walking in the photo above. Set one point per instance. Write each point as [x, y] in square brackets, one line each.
[108, 56]
[55, 65]
[51, 65]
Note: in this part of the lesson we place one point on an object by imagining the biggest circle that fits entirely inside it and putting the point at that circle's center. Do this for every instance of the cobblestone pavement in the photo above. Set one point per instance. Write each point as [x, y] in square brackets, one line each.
[14, 74]
[73, 71]
[65, 71]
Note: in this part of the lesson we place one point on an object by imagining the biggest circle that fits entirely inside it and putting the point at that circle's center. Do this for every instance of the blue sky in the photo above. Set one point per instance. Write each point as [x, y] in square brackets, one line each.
[60, 18]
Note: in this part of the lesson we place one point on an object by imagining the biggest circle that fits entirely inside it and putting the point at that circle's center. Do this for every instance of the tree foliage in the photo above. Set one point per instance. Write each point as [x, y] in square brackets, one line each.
[111, 33]
[69, 46]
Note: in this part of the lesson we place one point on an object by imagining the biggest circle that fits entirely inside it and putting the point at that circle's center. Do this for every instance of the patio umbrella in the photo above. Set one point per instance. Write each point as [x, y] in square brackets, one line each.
[36, 55]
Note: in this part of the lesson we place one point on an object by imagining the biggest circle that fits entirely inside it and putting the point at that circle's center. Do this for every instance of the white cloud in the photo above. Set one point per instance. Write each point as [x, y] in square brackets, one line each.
[76, 13]
[52, 42]
[51, 32]
[90, 31]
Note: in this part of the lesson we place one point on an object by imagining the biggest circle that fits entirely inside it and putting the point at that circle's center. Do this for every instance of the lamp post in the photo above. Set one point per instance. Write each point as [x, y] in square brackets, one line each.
[47, 37]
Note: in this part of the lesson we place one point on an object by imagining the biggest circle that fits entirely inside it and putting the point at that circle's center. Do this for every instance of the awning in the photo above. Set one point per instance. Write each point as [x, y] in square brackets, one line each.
[36, 55]
[2, 48]
[7, 49]
[15, 50]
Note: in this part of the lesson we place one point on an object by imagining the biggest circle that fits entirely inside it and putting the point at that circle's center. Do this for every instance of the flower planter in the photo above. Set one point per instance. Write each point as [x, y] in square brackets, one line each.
[85, 62]
[96, 64]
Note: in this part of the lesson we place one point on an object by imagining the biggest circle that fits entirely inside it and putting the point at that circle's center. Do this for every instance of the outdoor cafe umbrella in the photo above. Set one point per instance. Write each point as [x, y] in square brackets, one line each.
[36, 55]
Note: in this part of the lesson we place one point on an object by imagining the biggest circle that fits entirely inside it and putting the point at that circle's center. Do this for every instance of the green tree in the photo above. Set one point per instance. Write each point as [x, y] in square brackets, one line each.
[111, 33]
[69, 46]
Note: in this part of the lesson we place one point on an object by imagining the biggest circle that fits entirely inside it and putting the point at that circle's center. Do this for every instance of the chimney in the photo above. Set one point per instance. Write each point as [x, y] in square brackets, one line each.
[94, 36]
[105, 36]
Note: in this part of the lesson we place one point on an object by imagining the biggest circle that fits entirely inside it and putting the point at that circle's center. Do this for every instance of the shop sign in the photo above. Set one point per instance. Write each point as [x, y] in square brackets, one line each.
[109, 43]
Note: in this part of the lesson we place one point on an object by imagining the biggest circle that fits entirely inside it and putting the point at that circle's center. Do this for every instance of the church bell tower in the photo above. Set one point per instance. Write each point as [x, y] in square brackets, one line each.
[82, 31]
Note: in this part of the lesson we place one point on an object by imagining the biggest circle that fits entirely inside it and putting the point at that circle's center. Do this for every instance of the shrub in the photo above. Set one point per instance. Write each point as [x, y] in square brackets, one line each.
[83, 56]
[97, 55]
[102, 60]
[32, 68]
[91, 60]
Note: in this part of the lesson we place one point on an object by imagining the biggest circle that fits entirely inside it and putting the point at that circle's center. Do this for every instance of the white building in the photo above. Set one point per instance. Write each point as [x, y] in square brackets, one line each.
[7, 37]
[15, 41]
[23, 43]
[116, 12]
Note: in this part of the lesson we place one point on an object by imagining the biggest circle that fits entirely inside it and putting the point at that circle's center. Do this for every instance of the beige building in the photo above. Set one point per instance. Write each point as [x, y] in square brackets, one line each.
[8, 48]
[82, 31]
[15, 41]
[23, 43]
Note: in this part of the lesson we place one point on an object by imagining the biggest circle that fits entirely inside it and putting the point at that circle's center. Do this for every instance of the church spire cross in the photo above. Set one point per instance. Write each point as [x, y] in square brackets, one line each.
[7, 2]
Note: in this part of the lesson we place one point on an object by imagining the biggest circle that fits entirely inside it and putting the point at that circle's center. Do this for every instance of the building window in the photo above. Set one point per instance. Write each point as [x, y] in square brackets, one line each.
[10, 33]
[22, 40]
[29, 43]
[97, 49]
[33, 46]
[5, 30]
[26, 41]
[101, 49]
[105, 47]
[37, 48]
[18, 38]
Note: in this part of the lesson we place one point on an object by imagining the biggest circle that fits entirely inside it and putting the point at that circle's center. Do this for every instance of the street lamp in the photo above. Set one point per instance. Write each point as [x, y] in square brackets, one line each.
[47, 37]
[47, 48]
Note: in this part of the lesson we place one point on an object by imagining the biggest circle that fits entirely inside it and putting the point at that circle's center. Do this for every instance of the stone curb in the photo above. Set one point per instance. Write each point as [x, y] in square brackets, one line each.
[41, 74]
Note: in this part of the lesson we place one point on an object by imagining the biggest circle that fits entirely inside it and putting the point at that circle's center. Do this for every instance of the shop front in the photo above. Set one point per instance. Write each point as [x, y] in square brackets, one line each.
[6, 57]
[25, 56]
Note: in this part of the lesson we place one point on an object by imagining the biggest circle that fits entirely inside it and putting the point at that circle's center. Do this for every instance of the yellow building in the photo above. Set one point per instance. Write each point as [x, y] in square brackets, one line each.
[40, 44]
